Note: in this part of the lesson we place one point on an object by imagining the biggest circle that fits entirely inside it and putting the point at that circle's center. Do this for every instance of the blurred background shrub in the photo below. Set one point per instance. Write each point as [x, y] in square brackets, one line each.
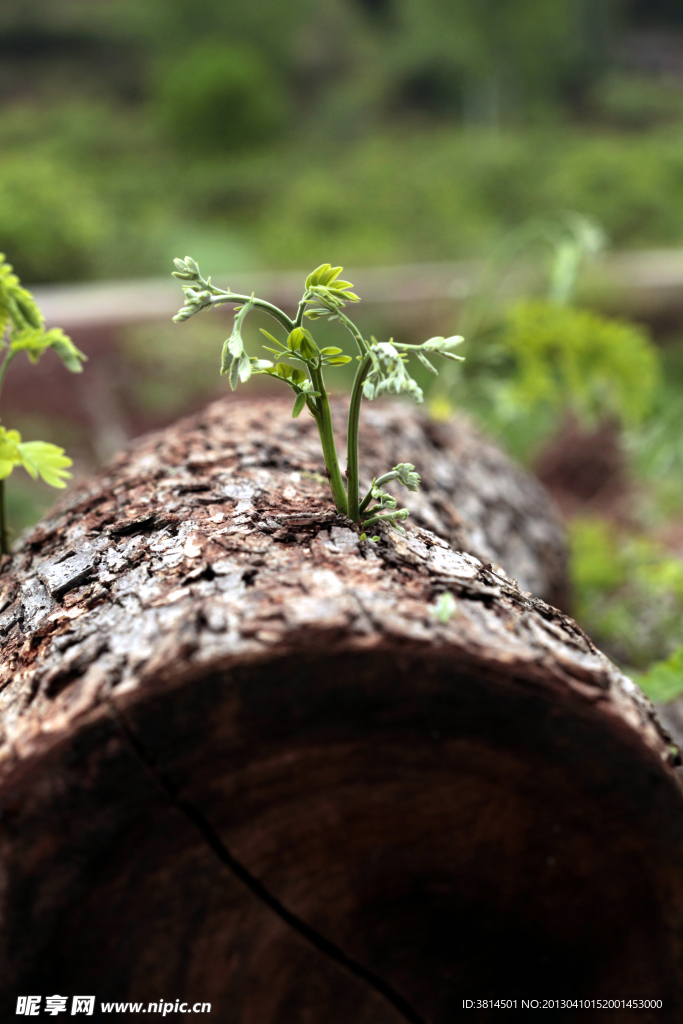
[50, 218]
[390, 130]
[220, 98]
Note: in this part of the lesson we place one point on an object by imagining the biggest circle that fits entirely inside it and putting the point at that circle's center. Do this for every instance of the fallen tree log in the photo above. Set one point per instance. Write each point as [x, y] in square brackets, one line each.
[244, 762]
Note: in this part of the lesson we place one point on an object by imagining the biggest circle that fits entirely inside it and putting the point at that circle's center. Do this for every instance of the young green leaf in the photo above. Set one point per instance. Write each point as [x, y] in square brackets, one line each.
[300, 340]
[22, 330]
[388, 374]
[39, 458]
[274, 340]
[17, 305]
[195, 300]
[425, 362]
[309, 350]
[333, 297]
[46, 460]
[294, 339]
[28, 309]
[444, 608]
[323, 274]
[329, 276]
[234, 368]
[323, 286]
[183, 271]
[34, 342]
[72, 357]
[299, 403]
[287, 372]
[444, 346]
[406, 475]
[234, 360]
[9, 451]
[385, 500]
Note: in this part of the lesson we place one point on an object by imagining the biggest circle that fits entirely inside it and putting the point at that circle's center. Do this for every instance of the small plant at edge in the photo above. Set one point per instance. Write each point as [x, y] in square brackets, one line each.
[381, 370]
[22, 329]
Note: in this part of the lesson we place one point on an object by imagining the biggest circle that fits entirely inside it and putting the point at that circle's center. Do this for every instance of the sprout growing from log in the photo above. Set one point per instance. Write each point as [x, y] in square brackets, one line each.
[382, 369]
[22, 329]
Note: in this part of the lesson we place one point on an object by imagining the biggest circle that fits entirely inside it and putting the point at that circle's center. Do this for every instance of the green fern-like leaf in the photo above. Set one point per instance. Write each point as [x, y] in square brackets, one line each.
[34, 342]
[17, 305]
[39, 458]
[22, 322]
[9, 451]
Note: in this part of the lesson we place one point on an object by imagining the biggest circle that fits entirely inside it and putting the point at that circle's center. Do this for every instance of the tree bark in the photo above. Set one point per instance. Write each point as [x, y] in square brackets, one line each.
[244, 762]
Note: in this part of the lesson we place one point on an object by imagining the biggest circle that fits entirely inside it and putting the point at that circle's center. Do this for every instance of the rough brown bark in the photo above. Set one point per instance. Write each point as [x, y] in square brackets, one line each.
[244, 763]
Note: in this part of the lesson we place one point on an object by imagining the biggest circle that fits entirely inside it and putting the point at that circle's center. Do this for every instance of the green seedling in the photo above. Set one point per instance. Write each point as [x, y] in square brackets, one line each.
[444, 608]
[22, 329]
[299, 363]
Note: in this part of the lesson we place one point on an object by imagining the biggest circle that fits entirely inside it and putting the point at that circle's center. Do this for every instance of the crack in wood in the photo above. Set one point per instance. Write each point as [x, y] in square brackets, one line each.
[206, 830]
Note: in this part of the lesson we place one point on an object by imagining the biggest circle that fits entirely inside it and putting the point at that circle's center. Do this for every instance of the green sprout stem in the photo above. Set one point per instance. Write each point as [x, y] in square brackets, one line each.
[352, 471]
[377, 519]
[299, 318]
[354, 512]
[267, 307]
[357, 336]
[323, 419]
[323, 415]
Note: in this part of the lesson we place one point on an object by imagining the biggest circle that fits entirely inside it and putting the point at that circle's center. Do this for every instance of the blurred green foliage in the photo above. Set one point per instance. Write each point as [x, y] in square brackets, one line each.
[86, 191]
[580, 362]
[526, 52]
[664, 680]
[638, 101]
[80, 196]
[173, 369]
[639, 608]
[51, 219]
[627, 586]
[630, 589]
[544, 364]
[655, 453]
[534, 364]
[390, 131]
[220, 98]
[27, 500]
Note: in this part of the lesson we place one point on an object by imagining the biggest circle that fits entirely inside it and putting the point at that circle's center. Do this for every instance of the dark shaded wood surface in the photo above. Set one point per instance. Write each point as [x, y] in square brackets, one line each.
[243, 762]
